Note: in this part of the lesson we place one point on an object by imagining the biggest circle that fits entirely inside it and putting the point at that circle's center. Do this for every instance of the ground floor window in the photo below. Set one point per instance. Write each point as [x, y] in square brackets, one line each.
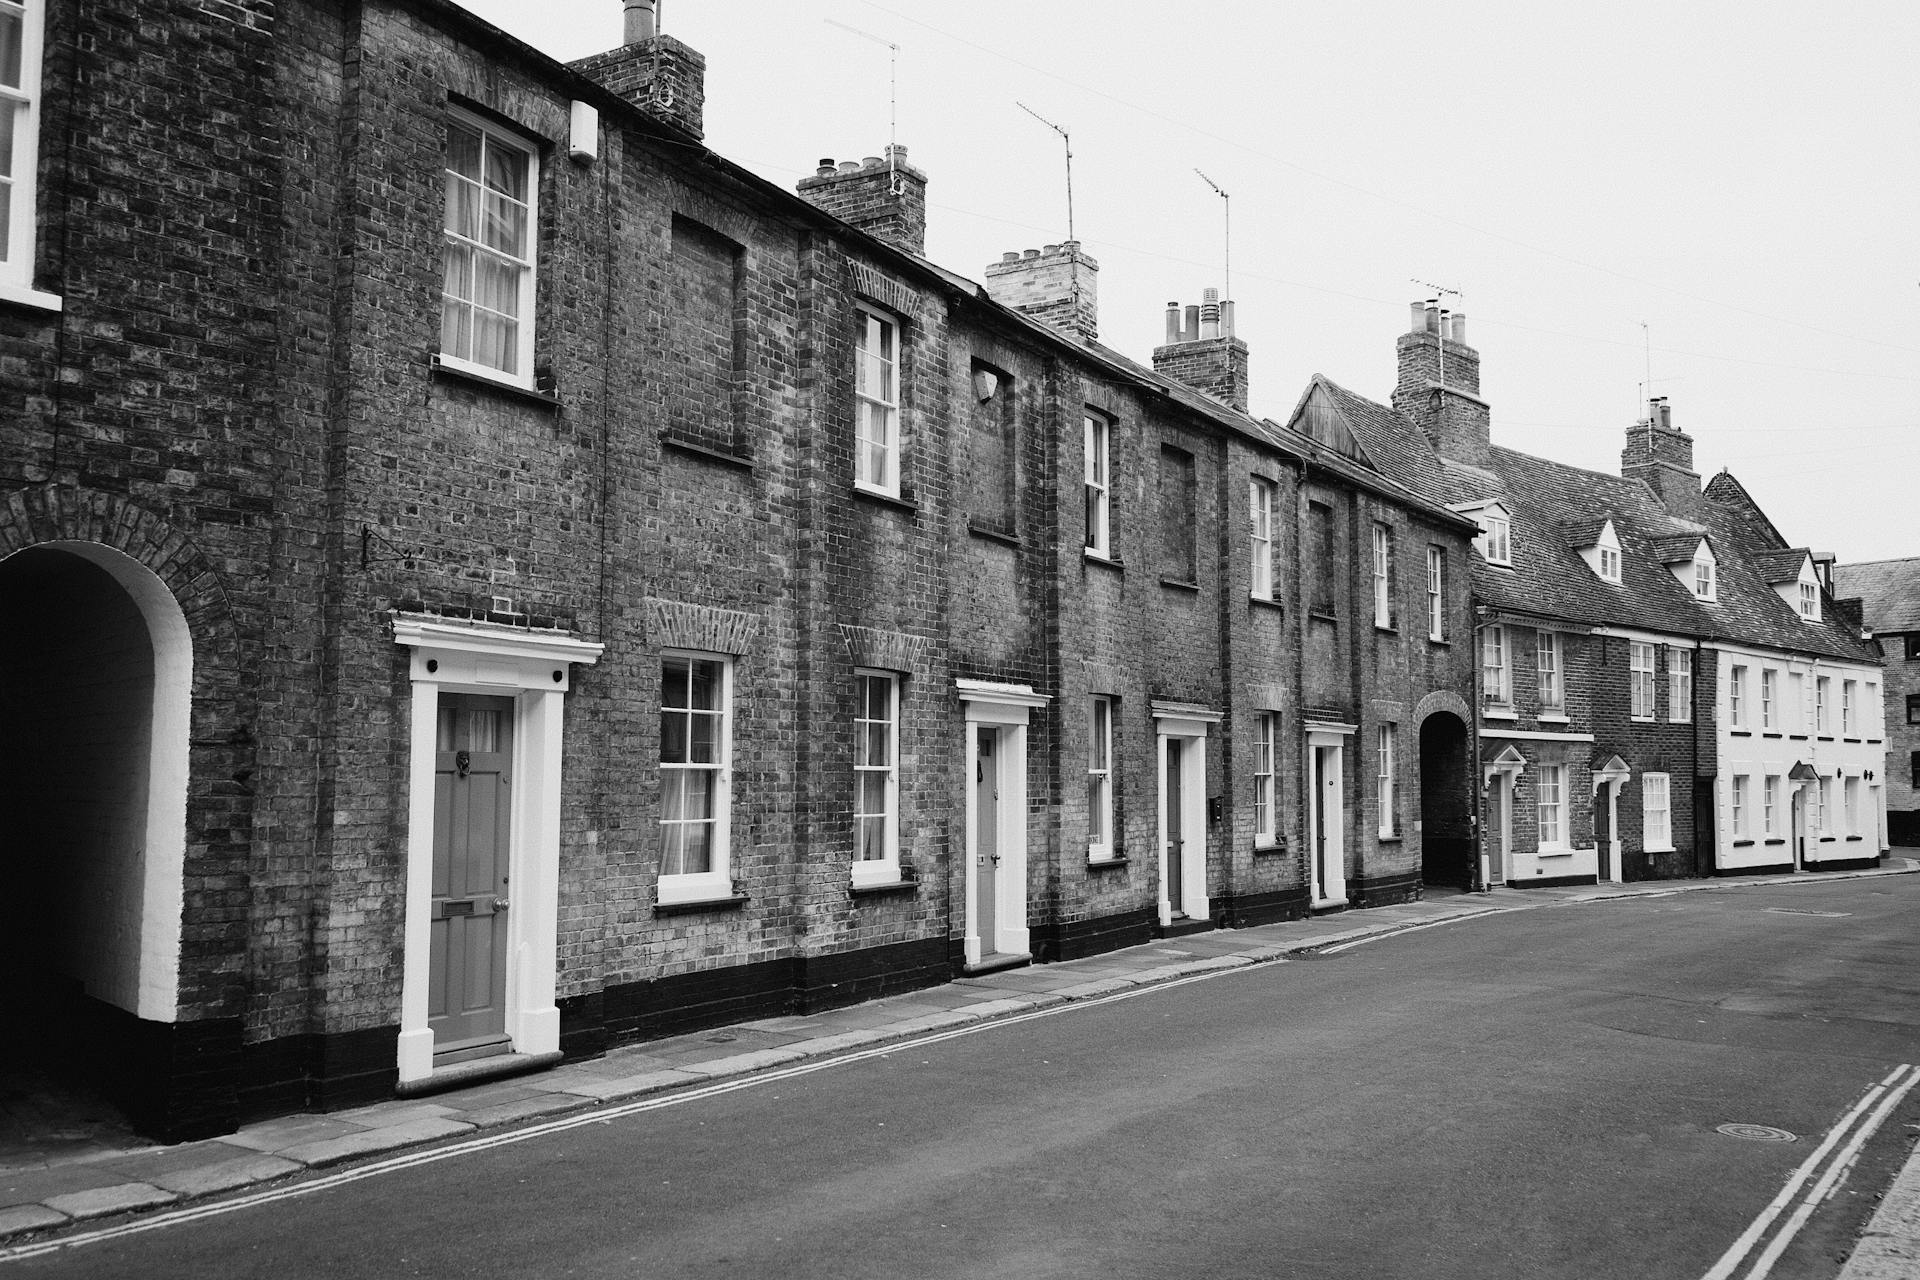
[1551, 785]
[876, 802]
[1656, 812]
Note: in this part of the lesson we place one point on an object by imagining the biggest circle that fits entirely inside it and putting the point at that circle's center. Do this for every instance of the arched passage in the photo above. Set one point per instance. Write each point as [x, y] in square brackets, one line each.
[1446, 802]
[96, 666]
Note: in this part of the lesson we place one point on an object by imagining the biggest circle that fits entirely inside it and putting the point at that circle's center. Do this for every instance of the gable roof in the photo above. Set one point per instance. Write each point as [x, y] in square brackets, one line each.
[1889, 591]
[1781, 566]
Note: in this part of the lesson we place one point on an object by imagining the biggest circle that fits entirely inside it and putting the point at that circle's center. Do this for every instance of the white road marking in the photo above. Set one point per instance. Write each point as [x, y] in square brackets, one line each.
[1415, 928]
[1887, 1094]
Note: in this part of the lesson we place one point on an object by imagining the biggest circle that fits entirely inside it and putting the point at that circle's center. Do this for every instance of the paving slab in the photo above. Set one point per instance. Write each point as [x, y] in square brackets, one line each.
[386, 1113]
[741, 1063]
[273, 1135]
[28, 1217]
[101, 1201]
[373, 1141]
[211, 1179]
[33, 1186]
[628, 1086]
[545, 1104]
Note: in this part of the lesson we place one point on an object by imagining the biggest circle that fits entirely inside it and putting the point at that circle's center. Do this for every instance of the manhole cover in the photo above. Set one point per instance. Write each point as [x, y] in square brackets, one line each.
[1755, 1132]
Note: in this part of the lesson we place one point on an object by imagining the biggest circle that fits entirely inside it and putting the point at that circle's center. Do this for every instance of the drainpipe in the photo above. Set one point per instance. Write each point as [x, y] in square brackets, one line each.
[1480, 881]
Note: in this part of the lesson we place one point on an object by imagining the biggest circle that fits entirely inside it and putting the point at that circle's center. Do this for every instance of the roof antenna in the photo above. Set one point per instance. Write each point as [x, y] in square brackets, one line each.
[896, 185]
[1226, 204]
[1435, 302]
[661, 92]
[1069, 145]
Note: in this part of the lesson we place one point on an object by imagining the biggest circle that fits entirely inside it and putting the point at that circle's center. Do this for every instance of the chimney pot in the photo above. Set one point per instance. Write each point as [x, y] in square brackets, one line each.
[1031, 253]
[640, 24]
[1433, 317]
[872, 162]
[1226, 319]
[1013, 256]
[1419, 317]
[1190, 332]
[825, 169]
[897, 152]
[849, 166]
[1459, 335]
[1210, 313]
[1173, 323]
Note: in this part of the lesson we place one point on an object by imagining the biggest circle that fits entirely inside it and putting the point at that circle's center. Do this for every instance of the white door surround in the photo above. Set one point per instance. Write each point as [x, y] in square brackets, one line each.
[1188, 723]
[1502, 772]
[1327, 811]
[1003, 708]
[1611, 775]
[531, 667]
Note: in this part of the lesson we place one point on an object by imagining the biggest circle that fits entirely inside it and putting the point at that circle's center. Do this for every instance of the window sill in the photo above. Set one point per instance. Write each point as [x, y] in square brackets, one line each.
[1100, 558]
[1771, 735]
[1554, 717]
[473, 378]
[1498, 713]
[1102, 864]
[1555, 853]
[1773, 840]
[1851, 839]
[882, 498]
[1828, 839]
[1743, 844]
[1386, 627]
[1825, 737]
[1440, 642]
[1739, 733]
[1267, 602]
[883, 888]
[1179, 584]
[721, 456]
[732, 902]
[25, 296]
[1798, 737]
[1389, 837]
[1854, 740]
[1272, 850]
[993, 535]
[1657, 848]
[1644, 719]
[1325, 615]
[1875, 742]
[1671, 720]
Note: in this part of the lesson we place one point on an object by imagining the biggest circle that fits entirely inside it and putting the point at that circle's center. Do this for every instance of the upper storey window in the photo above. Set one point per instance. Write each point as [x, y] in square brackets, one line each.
[1810, 601]
[486, 309]
[1099, 439]
[1703, 584]
[1260, 537]
[876, 388]
[1495, 542]
[20, 35]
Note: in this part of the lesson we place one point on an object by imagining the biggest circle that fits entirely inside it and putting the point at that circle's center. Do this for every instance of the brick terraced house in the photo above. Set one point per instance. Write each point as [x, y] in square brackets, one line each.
[488, 579]
[1664, 687]
[1886, 594]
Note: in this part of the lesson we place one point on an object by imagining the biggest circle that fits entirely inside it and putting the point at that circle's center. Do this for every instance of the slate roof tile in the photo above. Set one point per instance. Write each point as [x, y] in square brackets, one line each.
[1889, 591]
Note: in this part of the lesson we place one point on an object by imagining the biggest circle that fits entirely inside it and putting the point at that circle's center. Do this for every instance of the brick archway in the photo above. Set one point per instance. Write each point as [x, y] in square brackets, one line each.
[1448, 854]
[132, 631]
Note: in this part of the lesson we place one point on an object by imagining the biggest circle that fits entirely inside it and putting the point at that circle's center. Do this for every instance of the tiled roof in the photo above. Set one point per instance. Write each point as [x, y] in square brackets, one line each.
[1781, 566]
[1675, 549]
[1888, 589]
[1579, 534]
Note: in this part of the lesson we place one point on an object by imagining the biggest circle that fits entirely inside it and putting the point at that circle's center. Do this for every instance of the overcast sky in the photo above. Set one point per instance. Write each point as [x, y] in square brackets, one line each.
[1741, 177]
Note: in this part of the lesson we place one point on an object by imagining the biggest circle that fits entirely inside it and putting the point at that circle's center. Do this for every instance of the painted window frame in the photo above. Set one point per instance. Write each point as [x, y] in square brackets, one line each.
[1260, 505]
[1846, 708]
[1609, 564]
[1822, 695]
[1383, 576]
[1656, 801]
[1850, 802]
[1551, 671]
[877, 399]
[1810, 601]
[1499, 538]
[1679, 685]
[1097, 432]
[1642, 686]
[1550, 806]
[884, 868]
[1101, 845]
[1496, 668]
[1769, 804]
[1705, 587]
[19, 191]
[1387, 790]
[1740, 806]
[1436, 592]
[520, 262]
[1737, 697]
[717, 880]
[1913, 708]
[1819, 797]
[1266, 795]
[1766, 697]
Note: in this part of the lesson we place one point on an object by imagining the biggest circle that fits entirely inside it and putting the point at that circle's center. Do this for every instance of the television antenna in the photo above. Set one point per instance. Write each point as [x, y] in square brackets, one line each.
[1069, 145]
[1226, 203]
[896, 186]
[1440, 291]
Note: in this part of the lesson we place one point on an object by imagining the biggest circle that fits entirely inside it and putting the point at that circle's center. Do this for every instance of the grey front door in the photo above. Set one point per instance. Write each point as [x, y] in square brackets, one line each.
[466, 1000]
[986, 840]
[1176, 831]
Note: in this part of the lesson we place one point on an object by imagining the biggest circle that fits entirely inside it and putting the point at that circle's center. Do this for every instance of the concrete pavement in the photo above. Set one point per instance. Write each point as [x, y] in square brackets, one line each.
[39, 1195]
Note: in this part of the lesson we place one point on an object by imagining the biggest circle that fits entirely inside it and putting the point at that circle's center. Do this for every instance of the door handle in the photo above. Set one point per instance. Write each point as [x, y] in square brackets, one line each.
[501, 904]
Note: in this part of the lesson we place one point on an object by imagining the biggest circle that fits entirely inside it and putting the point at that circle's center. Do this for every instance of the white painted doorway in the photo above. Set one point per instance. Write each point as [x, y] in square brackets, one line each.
[1327, 812]
[994, 930]
[1180, 731]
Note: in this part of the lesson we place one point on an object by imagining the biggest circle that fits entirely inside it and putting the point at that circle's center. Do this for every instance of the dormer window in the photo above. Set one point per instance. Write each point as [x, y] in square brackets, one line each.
[1610, 564]
[1499, 537]
[1703, 579]
[1810, 602]
[1600, 548]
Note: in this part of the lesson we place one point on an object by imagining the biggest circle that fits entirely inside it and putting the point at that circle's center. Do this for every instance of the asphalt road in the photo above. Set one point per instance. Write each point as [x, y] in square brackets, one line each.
[1529, 1095]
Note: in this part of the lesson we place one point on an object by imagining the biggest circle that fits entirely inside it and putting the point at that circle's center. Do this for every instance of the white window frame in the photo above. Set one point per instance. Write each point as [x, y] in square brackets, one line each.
[1550, 805]
[1769, 804]
[1796, 702]
[1739, 795]
[1098, 432]
[1810, 601]
[1610, 564]
[1100, 842]
[1871, 710]
[1820, 798]
[1846, 708]
[1382, 576]
[1766, 697]
[492, 138]
[1436, 593]
[717, 880]
[1266, 745]
[1737, 697]
[1822, 687]
[1551, 670]
[1389, 788]
[1850, 798]
[1703, 583]
[1496, 669]
[19, 190]
[1498, 538]
[1641, 687]
[884, 869]
[876, 400]
[1679, 685]
[1656, 812]
[1260, 502]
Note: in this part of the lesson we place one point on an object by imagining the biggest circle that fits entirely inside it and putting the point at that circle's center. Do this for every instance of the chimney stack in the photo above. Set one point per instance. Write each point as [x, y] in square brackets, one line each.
[882, 195]
[1439, 384]
[1203, 353]
[654, 72]
[1661, 455]
[1055, 285]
